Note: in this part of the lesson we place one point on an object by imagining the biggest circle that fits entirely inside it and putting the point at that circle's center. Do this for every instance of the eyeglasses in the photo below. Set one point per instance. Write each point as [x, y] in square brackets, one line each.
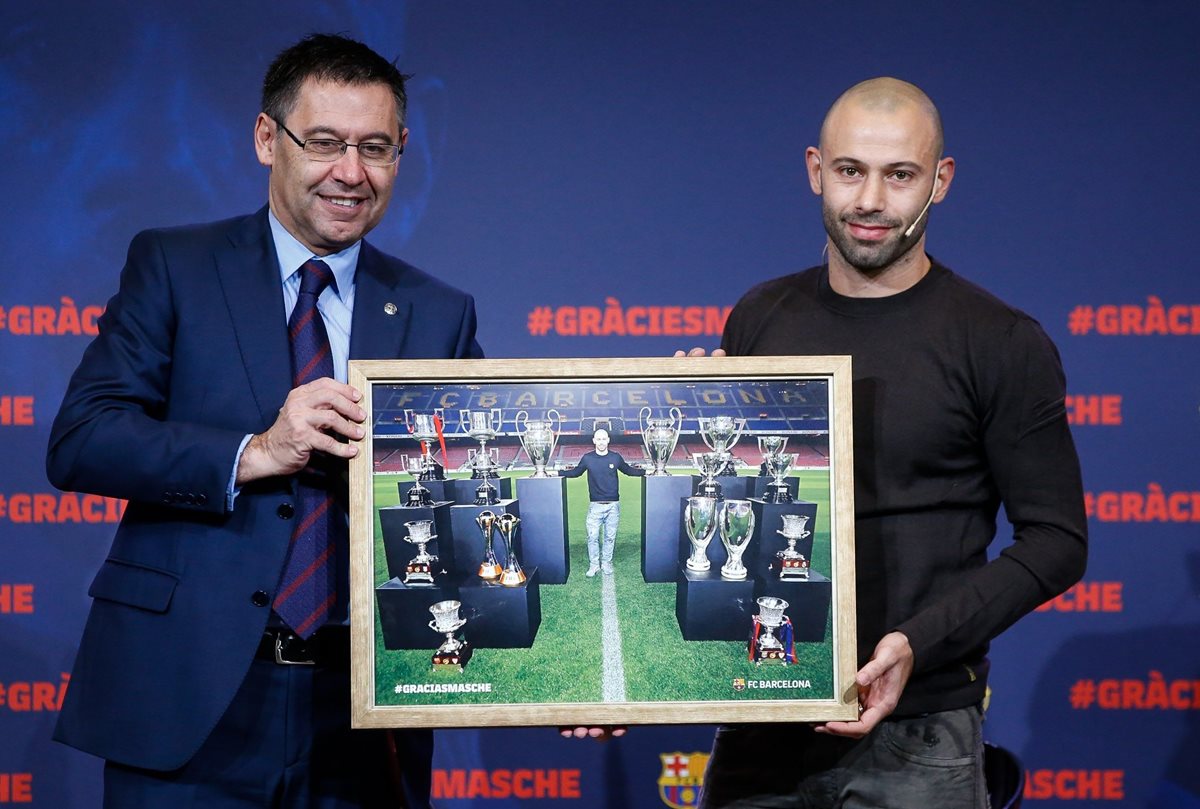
[324, 150]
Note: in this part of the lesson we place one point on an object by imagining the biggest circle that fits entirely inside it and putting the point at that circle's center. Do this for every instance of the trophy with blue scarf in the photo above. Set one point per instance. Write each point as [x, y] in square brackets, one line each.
[765, 647]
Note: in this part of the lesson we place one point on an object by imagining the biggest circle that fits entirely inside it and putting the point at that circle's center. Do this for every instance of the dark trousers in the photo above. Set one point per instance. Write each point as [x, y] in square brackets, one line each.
[286, 743]
[934, 760]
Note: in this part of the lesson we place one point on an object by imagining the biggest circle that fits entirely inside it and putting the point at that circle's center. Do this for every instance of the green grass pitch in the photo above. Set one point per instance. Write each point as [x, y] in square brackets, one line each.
[565, 663]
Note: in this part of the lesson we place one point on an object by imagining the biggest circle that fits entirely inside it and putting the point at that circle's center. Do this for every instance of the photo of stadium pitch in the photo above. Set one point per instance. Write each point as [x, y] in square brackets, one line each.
[729, 593]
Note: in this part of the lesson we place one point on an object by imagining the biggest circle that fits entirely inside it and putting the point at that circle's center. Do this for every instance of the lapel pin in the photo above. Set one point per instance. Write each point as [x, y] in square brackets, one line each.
[389, 308]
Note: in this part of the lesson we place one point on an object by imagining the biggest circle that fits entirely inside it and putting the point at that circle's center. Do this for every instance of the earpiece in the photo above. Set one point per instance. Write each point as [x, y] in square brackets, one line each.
[932, 194]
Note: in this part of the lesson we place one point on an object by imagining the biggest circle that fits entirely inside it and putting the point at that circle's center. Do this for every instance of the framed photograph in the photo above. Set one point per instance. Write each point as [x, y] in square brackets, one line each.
[603, 541]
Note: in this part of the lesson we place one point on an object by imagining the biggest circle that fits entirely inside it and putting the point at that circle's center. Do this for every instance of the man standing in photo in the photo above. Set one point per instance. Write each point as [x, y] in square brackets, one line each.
[958, 409]
[604, 499]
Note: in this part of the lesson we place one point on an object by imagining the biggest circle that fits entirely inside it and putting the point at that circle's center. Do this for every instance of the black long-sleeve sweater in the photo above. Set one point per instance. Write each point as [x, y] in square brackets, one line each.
[958, 407]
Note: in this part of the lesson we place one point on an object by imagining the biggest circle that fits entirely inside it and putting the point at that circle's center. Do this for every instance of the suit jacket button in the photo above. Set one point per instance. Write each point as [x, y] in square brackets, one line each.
[285, 511]
[201, 498]
[260, 598]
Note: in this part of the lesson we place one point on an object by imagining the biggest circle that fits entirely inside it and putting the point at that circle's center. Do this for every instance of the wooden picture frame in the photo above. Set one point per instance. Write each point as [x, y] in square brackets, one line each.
[563, 648]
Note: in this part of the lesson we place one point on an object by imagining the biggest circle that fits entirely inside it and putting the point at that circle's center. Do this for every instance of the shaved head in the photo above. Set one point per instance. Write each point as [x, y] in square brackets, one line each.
[878, 169]
[887, 96]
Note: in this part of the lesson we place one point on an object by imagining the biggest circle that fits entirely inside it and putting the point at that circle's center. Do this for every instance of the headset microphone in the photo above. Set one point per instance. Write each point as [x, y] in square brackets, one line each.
[932, 194]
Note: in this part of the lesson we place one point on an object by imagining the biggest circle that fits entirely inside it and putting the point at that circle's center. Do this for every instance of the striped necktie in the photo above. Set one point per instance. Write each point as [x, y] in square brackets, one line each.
[308, 588]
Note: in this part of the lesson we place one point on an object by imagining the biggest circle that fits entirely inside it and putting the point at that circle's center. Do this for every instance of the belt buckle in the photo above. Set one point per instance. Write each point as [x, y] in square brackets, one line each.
[283, 661]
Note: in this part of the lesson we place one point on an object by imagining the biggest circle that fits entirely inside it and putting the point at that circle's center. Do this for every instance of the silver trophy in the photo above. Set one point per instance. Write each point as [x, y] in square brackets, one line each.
[700, 522]
[454, 652]
[512, 576]
[659, 436]
[420, 569]
[423, 427]
[769, 446]
[737, 528]
[769, 648]
[710, 465]
[720, 434]
[778, 465]
[483, 426]
[489, 568]
[418, 495]
[539, 438]
[792, 564]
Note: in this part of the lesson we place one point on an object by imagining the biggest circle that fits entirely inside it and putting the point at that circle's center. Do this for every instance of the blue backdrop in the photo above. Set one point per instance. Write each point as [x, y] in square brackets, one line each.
[568, 158]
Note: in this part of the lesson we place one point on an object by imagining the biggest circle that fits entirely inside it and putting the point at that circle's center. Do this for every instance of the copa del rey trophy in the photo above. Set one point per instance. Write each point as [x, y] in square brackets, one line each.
[720, 434]
[482, 425]
[764, 646]
[489, 568]
[425, 427]
[710, 465]
[777, 463]
[538, 437]
[512, 575]
[454, 652]
[420, 569]
[700, 522]
[737, 528]
[418, 495]
[659, 436]
[792, 564]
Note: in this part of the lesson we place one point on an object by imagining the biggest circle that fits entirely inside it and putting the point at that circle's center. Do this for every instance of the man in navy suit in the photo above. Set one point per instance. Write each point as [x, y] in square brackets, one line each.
[190, 682]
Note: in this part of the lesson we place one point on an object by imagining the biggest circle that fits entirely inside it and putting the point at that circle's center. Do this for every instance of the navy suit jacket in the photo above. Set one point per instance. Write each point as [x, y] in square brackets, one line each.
[192, 354]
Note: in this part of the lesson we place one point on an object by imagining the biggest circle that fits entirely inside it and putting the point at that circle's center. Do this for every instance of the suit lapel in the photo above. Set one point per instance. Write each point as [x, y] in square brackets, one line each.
[382, 313]
[249, 274]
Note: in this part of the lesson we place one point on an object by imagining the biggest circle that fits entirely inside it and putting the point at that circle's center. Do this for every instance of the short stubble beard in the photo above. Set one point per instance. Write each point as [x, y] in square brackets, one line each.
[870, 260]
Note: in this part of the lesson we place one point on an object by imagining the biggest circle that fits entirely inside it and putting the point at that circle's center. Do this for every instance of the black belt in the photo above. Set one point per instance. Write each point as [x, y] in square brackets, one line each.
[329, 647]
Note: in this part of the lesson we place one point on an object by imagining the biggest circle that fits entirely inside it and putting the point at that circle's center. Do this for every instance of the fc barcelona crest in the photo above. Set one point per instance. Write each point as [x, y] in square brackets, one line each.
[682, 776]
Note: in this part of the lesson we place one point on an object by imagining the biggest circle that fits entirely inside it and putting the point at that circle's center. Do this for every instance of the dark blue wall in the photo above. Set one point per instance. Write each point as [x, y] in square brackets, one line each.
[564, 154]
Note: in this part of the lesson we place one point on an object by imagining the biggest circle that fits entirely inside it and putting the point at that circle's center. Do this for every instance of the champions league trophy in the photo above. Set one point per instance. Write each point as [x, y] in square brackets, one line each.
[700, 521]
[489, 568]
[512, 576]
[420, 568]
[539, 438]
[709, 464]
[482, 425]
[778, 465]
[720, 434]
[660, 436]
[737, 528]
[424, 428]
[764, 646]
[453, 653]
[418, 495]
[792, 564]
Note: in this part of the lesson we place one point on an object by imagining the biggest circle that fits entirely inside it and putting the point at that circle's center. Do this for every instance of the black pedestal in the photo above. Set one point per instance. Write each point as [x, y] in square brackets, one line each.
[500, 617]
[462, 490]
[662, 522]
[711, 608]
[543, 529]
[759, 487]
[808, 603]
[733, 487]
[438, 490]
[468, 539]
[404, 614]
[768, 519]
[399, 552]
